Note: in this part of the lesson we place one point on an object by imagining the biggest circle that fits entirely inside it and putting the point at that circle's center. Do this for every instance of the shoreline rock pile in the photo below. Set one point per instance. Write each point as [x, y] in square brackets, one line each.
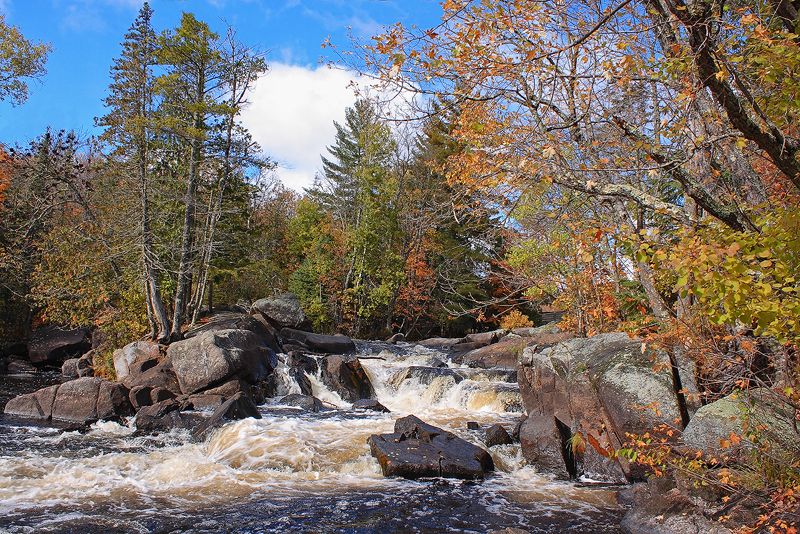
[227, 366]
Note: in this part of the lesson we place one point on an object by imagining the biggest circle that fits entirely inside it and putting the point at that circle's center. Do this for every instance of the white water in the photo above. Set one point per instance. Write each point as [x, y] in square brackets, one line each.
[287, 454]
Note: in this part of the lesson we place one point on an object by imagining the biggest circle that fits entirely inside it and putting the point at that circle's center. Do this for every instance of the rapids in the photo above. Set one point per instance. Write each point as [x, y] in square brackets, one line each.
[290, 471]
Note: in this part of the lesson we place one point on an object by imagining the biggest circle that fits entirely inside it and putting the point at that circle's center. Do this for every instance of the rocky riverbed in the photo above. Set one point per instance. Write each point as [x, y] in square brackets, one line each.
[254, 424]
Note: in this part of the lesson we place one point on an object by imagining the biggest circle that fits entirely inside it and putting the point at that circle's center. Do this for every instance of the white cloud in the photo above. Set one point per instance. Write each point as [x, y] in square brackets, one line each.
[291, 116]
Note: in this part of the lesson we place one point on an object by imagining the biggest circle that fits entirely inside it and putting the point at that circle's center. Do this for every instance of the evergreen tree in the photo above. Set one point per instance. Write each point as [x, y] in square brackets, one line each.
[358, 190]
[189, 89]
[130, 128]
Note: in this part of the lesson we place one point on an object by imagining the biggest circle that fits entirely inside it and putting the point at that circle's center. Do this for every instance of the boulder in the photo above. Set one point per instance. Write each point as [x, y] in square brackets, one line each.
[503, 354]
[76, 401]
[83, 401]
[711, 427]
[347, 378]
[17, 366]
[215, 357]
[232, 321]
[369, 405]
[162, 375]
[282, 311]
[440, 342]
[206, 403]
[141, 396]
[113, 401]
[55, 344]
[164, 417]
[396, 338]
[417, 449]
[308, 403]
[135, 358]
[583, 396]
[304, 362]
[659, 507]
[240, 406]
[70, 368]
[337, 344]
[229, 388]
[487, 338]
[278, 384]
[497, 435]
[77, 367]
[160, 394]
[459, 349]
[301, 379]
[37, 405]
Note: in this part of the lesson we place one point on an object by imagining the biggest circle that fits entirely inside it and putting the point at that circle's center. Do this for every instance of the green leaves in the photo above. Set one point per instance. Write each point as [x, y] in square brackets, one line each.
[19, 59]
[746, 278]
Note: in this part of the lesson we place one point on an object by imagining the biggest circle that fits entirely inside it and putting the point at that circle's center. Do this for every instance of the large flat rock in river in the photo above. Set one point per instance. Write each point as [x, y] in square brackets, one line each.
[417, 449]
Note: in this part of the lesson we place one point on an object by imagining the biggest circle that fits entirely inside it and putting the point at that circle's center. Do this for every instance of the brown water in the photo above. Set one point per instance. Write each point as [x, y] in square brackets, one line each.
[289, 471]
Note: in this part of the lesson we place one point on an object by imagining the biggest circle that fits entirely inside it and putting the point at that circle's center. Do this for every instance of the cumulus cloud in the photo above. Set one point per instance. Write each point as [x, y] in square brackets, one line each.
[291, 116]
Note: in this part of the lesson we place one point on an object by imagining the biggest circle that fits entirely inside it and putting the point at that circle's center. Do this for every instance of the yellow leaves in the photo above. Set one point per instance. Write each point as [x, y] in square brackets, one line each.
[548, 152]
[749, 19]
[627, 62]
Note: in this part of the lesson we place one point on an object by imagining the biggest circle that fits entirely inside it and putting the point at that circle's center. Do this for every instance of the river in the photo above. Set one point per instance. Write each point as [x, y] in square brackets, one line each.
[291, 471]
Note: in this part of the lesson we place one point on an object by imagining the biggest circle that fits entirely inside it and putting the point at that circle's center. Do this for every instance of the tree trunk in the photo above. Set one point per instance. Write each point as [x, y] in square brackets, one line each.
[187, 244]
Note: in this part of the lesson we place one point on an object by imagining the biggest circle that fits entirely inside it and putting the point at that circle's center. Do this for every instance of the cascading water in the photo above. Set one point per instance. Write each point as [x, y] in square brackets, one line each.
[294, 471]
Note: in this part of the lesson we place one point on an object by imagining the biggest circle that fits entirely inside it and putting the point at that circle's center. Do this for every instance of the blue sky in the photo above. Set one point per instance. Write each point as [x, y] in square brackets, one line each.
[292, 108]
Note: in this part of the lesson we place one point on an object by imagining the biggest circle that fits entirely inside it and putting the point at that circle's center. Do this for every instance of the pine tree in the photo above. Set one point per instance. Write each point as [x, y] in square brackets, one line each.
[130, 128]
[189, 89]
[359, 191]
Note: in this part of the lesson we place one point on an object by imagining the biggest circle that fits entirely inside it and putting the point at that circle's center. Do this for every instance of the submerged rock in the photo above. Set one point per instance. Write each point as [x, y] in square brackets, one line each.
[417, 449]
[240, 406]
[424, 375]
[308, 403]
[370, 405]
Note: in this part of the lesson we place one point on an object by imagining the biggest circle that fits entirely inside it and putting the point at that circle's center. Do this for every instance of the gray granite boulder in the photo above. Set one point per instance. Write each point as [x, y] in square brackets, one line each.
[232, 321]
[213, 358]
[583, 395]
[83, 401]
[282, 311]
[135, 358]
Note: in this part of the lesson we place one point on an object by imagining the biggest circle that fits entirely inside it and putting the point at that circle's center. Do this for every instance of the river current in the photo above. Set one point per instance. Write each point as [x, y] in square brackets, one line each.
[291, 471]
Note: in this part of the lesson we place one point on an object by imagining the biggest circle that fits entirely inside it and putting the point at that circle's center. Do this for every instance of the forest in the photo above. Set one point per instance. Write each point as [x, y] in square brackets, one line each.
[633, 164]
